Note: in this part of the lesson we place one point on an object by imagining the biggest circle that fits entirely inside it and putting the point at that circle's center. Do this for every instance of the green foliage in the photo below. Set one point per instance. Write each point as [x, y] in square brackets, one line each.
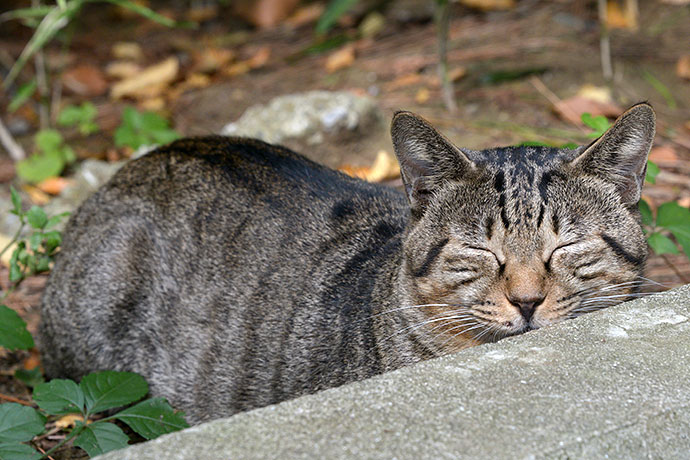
[652, 172]
[81, 116]
[51, 160]
[31, 377]
[671, 218]
[599, 124]
[147, 128]
[333, 12]
[13, 333]
[49, 20]
[36, 254]
[23, 94]
[96, 393]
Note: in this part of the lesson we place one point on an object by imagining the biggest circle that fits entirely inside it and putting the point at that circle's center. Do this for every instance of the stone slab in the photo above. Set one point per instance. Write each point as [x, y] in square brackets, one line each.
[612, 384]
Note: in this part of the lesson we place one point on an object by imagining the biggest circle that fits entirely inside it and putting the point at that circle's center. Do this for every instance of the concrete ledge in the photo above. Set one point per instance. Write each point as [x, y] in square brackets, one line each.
[612, 384]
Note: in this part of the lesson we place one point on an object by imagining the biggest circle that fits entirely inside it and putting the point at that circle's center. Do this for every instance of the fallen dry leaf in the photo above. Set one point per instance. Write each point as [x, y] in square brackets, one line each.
[4, 242]
[68, 421]
[340, 59]
[153, 104]
[404, 80]
[304, 15]
[260, 57]
[54, 185]
[683, 67]
[359, 172]
[454, 75]
[385, 167]
[571, 109]
[617, 18]
[489, 5]
[201, 13]
[596, 93]
[36, 195]
[122, 69]
[85, 80]
[684, 202]
[212, 59]
[265, 13]
[127, 51]
[148, 80]
[33, 361]
[372, 24]
[422, 95]
[663, 154]
[237, 68]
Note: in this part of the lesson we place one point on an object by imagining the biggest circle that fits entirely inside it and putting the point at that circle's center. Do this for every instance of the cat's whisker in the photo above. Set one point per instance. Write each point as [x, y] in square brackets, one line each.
[463, 331]
[407, 307]
[414, 327]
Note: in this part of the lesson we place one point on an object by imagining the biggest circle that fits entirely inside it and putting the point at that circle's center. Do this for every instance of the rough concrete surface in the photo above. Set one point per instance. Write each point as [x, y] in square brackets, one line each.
[612, 384]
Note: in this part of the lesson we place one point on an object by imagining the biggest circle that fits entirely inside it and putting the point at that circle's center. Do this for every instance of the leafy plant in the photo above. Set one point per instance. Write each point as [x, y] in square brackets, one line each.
[145, 128]
[81, 116]
[96, 393]
[23, 94]
[334, 10]
[49, 20]
[35, 254]
[52, 157]
[671, 218]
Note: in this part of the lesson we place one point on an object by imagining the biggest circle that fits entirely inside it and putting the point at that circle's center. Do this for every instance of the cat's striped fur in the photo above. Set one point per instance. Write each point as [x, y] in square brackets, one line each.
[234, 274]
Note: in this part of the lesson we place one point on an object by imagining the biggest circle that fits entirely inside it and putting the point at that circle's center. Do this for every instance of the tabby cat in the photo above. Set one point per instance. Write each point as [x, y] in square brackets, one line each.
[233, 274]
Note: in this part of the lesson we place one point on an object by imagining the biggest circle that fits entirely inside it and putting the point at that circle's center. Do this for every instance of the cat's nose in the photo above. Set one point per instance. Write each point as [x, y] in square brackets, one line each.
[526, 305]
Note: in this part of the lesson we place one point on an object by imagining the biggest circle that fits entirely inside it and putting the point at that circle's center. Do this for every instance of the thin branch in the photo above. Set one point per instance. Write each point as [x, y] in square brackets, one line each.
[442, 17]
[604, 42]
[15, 150]
[678, 273]
[15, 400]
[554, 99]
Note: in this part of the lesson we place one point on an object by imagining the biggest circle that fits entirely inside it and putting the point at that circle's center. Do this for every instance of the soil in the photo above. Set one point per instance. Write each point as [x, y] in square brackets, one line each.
[555, 44]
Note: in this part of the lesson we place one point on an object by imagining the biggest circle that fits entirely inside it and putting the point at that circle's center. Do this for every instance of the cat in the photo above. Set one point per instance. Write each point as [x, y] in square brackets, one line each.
[233, 274]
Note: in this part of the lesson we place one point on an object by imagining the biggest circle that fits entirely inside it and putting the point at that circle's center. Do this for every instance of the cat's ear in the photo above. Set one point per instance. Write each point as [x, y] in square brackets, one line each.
[620, 155]
[426, 158]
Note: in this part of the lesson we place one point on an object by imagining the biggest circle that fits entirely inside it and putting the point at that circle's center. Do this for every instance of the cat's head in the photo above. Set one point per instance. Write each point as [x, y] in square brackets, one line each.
[506, 240]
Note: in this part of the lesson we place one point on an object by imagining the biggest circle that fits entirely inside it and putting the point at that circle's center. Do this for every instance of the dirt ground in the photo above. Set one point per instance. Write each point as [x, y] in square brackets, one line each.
[516, 66]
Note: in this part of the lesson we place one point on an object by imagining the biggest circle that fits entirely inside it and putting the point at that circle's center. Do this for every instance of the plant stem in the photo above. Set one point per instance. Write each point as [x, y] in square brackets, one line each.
[42, 81]
[14, 400]
[442, 18]
[13, 240]
[15, 150]
[73, 433]
[604, 42]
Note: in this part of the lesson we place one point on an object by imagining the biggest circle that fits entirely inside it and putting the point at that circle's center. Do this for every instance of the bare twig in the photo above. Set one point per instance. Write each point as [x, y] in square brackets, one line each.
[442, 17]
[604, 42]
[15, 150]
[553, 98]
[14, 400]
[678, 273]
[42, 82]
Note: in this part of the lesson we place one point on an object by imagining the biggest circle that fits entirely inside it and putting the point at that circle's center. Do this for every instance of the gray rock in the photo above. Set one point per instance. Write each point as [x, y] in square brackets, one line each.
[338, 122]
[612, 384]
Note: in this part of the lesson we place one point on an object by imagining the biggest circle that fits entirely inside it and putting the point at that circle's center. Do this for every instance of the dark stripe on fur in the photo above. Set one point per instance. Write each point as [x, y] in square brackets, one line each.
[431, 257]
[540, 219]
[621, 252]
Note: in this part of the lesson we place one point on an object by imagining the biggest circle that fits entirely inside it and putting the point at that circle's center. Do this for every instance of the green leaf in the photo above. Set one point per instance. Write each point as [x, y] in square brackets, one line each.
[600, 124]
[646, 212]
[13, 333]
[81, 116]
[145, 128]
[59, 397]
[101, 437]
[676, 219]
[15, 269]
[108, 389]
[50, 25]
[19, 423]
[37, 168]
[23, 94]
[30, 378]
[652, 172]
[52, 239]
[48, 140]
[36, 217]
[35, 241]
[16, 201]
[333, 12]
[16, 451]
[662, 244]
[145, 12]
[53, 221]
[152, 418]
